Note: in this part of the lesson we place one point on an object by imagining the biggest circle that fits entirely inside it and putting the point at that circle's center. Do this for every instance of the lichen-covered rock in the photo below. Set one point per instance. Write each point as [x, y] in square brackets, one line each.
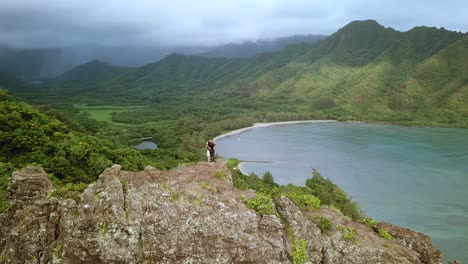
[29, 185]
[186, 215]
[28, 230]
[334, 247]
[416, 241]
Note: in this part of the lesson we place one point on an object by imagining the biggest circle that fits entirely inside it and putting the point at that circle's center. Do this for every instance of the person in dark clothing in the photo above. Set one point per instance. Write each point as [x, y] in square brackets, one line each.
[210, 151]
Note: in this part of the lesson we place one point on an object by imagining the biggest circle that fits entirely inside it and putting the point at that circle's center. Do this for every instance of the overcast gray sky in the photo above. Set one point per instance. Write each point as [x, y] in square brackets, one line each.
[53, 23]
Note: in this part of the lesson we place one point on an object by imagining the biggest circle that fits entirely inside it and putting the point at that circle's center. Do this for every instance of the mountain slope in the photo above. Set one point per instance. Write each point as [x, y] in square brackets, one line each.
[90, 75]
[359, 42]
[377, 82]
[363, 71]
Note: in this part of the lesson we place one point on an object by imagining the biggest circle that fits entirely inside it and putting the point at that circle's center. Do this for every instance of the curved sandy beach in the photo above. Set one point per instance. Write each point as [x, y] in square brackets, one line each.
[256, 125]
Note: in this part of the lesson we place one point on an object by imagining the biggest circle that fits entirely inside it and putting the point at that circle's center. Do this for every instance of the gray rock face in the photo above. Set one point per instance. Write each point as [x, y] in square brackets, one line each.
[28, 230]
[415, 241]
[187, 215]
[29, 185]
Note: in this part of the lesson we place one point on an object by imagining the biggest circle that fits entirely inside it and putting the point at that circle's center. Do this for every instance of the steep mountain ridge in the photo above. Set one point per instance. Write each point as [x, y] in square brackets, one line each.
[92, 72]
[364, 71]
[359, 42]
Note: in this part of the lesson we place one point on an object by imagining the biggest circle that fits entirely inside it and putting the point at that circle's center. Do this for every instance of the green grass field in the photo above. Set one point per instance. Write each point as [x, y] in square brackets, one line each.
[104, 112]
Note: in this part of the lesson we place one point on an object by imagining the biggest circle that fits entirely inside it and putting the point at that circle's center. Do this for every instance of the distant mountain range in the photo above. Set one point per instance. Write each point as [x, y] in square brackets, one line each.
[363, 71]
[252, 48]
[51, 62]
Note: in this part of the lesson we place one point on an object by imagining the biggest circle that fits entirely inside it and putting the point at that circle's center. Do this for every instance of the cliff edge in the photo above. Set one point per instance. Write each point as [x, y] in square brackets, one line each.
[191, 214]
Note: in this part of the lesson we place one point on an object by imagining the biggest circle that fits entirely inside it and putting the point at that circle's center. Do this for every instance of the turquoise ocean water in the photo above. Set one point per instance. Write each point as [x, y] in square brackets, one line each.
[413, 177]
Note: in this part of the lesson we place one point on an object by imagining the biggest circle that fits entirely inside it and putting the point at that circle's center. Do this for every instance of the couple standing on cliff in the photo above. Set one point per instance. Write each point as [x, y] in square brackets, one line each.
[210, 151]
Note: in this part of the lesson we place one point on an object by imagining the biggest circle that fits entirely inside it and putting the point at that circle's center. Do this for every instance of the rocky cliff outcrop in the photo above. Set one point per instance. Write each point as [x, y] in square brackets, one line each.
[187, 215]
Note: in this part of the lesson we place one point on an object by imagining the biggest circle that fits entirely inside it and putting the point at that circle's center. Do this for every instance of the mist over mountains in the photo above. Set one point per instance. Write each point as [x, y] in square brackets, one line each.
[51, 62]
[251, 48]
[362, 71]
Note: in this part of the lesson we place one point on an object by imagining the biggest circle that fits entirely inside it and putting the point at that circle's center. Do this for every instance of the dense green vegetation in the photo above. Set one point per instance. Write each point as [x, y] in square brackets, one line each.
[299, 251]
[317, 192]
[330, 194]
[323, 223]
[261, 203]
[303, 200]
[349, 233]
[29, 136]
[368, 221]
[384, 234]
[71, 157]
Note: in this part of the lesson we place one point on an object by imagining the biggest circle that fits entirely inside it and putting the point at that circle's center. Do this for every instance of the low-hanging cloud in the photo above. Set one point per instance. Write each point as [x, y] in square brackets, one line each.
[58, 23]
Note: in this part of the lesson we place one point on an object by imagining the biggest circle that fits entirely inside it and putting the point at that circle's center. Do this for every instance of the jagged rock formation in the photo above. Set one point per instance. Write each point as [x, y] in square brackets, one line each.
[187, 215]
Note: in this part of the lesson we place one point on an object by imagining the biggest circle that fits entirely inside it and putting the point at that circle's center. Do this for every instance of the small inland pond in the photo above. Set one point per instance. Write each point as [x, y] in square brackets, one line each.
[146, 145]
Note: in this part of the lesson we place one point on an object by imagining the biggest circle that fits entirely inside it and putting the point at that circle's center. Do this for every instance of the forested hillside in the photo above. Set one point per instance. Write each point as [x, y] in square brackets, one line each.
[362, 72]
[29, 136]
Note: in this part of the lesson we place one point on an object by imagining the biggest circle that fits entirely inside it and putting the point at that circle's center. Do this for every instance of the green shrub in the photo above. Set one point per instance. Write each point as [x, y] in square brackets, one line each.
[252, 181]
[221, 174]
[331, 194]
[304, 201]
[349, 233]
[209, 187]
[262, 203]
[323, 223]
[384, 234]
[299, 251]
[268, 179]
[232, 163]
[272, 192]
[368, 221]
[198, 200]
[175, 195]
[239, 182]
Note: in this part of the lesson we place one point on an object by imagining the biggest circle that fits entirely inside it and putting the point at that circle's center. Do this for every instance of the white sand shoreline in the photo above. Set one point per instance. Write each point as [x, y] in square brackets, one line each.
[257, 125]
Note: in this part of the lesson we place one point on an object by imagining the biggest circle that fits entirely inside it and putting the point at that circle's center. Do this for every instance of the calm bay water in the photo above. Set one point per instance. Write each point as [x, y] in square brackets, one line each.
[413, 177]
